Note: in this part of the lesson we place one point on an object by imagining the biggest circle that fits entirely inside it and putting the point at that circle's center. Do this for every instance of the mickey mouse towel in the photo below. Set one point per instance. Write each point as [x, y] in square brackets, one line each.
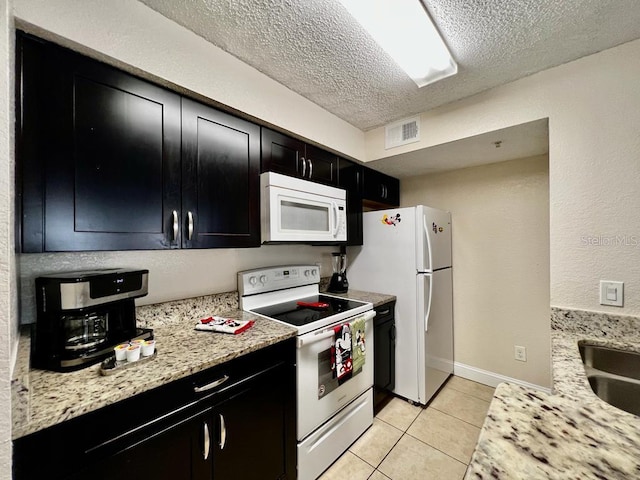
[341, 362]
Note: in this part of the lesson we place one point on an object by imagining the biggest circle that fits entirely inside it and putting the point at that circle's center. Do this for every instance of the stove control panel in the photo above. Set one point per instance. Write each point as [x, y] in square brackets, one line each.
[267, 279]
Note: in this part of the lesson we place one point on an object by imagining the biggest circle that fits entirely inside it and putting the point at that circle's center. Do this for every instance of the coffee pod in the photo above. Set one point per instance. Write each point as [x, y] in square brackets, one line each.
[148, 348]
[121, 352]
[133, 353]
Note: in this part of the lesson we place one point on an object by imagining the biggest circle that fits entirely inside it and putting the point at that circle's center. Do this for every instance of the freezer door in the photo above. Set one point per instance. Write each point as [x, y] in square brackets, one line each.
[435, 327]
[433, 239]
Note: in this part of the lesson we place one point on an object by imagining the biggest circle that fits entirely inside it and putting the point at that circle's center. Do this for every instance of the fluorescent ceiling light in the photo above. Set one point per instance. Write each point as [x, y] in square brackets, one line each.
[405, 31]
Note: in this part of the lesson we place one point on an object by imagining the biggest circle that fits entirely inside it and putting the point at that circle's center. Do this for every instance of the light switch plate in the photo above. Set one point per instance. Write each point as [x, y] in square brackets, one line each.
[611, 293]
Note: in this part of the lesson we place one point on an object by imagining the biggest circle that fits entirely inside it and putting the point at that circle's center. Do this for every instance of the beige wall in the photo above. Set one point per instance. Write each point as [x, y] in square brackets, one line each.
[500, 218]
[8, 286]
[593, 106]
[173, 274]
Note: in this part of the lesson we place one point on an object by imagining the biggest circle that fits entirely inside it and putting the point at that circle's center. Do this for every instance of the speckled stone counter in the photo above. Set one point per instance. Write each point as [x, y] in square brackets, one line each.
[571, 434]
[41, 399]
[376, 298]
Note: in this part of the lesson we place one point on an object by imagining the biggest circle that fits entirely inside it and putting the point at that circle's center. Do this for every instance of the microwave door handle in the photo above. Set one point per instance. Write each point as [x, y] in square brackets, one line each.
[336, 225]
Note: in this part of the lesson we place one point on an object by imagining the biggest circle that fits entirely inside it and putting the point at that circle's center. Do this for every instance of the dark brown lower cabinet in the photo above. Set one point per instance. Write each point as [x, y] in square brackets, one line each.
[241, 428]
[384, 352]
[176, 452]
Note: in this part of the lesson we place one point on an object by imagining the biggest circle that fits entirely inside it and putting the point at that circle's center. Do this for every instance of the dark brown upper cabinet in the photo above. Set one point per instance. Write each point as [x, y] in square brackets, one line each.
[220, 179]
[295, 158]
[350, 178]
[98, 154]
[379, 190]
[107, 161]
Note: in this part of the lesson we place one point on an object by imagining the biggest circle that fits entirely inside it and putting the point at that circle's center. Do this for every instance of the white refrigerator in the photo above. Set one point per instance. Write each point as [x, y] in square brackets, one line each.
[407, 253]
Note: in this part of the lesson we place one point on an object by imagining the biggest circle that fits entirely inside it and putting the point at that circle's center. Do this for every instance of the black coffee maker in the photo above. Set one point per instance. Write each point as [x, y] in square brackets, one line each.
[81, 316]
[338, 282]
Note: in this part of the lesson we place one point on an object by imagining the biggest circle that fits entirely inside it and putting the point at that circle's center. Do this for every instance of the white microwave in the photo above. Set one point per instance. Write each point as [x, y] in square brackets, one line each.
[296, 210]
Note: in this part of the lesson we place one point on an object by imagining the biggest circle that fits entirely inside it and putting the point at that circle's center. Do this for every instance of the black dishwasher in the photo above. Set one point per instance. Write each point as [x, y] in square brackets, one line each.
[384, 352]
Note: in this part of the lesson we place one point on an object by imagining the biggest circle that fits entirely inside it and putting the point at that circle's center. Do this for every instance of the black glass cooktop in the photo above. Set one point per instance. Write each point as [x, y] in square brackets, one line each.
[293, 314]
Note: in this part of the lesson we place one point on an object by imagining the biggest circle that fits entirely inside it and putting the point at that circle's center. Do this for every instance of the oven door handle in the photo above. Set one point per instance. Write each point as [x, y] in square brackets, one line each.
[309, 339]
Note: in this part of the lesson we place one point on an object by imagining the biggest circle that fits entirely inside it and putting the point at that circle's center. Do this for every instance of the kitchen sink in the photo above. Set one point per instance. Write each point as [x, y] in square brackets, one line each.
[618, 362]
[614, 375]
[622, 394]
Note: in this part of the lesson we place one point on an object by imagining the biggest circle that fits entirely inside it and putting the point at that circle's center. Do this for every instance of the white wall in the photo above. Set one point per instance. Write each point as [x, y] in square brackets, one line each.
[500, 249]
[8, 286]
[126, 32]
[593, 106]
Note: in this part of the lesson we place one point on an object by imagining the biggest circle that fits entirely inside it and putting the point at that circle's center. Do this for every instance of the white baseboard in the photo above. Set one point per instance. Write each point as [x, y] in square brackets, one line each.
[490, 378]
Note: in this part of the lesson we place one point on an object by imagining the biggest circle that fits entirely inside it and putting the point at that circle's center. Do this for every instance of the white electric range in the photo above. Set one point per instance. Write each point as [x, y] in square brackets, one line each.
[331, 413]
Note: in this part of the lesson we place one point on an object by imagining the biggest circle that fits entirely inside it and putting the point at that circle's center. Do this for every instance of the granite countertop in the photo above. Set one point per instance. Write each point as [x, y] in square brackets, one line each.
[41, 398]
[376, 298]
[570, 434]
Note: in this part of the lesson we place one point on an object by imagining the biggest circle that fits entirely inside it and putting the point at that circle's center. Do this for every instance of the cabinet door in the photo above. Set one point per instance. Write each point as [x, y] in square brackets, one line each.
[322, 166]
[253, 430]
[384, 348]
[105, 147]
[220, 179]
[350, 178]
[182, 451]
[282, 154]
[380, 189]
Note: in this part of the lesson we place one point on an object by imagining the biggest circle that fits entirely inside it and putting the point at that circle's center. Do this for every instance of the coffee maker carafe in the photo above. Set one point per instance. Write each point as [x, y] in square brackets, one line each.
[339, 283]
[81, 316]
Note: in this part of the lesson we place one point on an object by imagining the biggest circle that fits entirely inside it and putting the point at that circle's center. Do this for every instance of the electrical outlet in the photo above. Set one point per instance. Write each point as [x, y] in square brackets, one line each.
[520, 353]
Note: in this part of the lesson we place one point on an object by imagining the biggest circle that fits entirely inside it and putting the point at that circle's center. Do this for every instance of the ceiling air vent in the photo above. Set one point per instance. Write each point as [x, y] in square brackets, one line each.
[402, 132]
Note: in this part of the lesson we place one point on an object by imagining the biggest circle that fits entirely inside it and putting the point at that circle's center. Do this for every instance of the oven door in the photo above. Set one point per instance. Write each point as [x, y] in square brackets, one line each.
[319, 395]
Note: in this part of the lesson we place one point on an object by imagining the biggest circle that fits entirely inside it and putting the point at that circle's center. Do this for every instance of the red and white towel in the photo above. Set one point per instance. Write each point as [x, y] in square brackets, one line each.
[224, 325]
[341, 361]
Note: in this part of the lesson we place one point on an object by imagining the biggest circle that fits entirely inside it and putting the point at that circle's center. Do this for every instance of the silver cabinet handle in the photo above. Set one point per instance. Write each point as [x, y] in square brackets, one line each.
[310, 168]
[189, 225]
[384, 312]
[223, 432]
[304, 166]
[174, 214]
[207, 441]
[384, 191]
[211, 385]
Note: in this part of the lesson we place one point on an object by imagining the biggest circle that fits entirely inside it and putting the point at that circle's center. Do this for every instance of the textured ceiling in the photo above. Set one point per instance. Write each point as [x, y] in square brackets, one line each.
[316, 49]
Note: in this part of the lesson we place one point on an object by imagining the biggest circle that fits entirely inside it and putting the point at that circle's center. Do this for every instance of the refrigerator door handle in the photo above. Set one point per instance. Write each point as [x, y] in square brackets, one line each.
[429, 286]
[426, 255]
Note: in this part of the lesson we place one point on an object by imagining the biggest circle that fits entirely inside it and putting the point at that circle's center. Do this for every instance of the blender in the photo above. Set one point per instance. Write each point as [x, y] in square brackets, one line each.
[339, 283]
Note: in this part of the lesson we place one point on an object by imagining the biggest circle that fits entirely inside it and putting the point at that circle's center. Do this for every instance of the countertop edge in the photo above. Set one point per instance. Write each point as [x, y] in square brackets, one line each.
[531, 434]
[170, 320]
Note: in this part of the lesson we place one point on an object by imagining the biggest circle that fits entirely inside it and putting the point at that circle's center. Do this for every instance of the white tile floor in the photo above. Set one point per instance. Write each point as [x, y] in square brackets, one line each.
[408, 442]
